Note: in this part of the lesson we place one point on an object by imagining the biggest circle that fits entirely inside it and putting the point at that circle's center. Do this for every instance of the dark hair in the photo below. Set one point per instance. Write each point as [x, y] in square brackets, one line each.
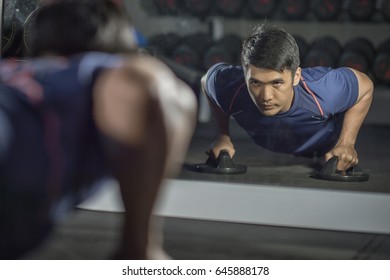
[270, 47]
[72, 26]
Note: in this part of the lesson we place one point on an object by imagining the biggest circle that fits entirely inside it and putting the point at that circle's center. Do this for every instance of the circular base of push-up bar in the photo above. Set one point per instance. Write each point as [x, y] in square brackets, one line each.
[329, 172]
[223, 164]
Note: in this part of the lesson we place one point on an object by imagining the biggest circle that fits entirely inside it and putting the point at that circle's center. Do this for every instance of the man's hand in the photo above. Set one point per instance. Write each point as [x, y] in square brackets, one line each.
[347, 156]
[353, 119]
[223, 142]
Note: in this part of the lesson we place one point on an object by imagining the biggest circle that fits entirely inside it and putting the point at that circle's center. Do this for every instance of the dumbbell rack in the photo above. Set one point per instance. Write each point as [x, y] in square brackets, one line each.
[212, 24]
[341, 20]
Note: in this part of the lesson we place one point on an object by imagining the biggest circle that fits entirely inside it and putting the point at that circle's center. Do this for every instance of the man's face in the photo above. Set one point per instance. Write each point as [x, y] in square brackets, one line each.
[270, 90]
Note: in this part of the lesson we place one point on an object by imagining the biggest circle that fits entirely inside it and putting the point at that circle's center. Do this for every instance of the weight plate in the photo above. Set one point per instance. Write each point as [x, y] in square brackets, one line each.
[262, 8]
[326, 9]
[229, 7]
[361, 9]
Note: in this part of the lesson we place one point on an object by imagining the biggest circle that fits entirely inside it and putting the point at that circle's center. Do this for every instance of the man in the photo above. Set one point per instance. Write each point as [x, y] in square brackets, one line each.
[71, 115]
[306, 112]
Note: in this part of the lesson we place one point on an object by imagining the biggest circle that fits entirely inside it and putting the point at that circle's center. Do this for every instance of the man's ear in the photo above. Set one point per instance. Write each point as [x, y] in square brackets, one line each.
[297, 76]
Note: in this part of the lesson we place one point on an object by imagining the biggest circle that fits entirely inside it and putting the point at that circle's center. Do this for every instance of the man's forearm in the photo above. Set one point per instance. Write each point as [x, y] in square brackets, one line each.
[221, 118]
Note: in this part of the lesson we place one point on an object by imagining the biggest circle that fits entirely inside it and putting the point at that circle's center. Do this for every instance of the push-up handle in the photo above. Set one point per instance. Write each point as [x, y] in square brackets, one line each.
[223, 164]
[329, 172]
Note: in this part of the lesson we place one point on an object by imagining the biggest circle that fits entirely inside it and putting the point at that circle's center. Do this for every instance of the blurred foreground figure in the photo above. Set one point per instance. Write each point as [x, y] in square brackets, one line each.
[84, 107]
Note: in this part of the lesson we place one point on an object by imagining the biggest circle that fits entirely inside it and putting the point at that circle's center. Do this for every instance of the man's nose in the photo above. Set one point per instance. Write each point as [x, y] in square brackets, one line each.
[266, 93]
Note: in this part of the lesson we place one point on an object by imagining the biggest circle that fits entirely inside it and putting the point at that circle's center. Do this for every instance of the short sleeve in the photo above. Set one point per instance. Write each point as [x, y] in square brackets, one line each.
[221, 83]
[340, 90]
[212, 81]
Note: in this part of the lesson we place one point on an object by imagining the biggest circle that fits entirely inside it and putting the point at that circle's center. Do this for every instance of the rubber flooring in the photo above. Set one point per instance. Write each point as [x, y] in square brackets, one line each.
[276, 169]
[95, 235]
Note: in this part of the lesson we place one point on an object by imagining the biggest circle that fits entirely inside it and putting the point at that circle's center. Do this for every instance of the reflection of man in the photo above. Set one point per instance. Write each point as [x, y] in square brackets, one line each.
[72, 115]
[306, 112]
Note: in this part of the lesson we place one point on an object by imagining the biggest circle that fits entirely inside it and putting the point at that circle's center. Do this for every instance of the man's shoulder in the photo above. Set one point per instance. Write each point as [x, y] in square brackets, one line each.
[226, 71]
[315, 73]
[223, 75]
[335, 87]
[319, 73]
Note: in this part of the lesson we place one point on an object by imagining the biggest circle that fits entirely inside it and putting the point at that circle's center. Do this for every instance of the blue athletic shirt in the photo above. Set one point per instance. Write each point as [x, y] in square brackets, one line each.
[52, 157]
[65, 157]
[310, 127]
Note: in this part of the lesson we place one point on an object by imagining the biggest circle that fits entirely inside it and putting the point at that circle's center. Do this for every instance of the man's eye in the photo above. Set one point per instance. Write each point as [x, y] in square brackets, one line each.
[254, 83]
[277, 83]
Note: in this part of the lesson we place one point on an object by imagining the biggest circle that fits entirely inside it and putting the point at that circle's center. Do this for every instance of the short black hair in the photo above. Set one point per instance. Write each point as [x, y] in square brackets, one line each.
[270, 47]
[72, 26]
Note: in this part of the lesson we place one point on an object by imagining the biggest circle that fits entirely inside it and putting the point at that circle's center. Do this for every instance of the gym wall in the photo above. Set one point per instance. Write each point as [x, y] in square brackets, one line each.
[332, 33]
[191, 35]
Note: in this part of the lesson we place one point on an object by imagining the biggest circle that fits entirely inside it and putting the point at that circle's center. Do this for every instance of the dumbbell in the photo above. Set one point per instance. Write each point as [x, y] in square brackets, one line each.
[326, 9]
[198, 8]
[229, 8]
[385, 9]
[167, 7]
[150, 6]
[232, 43]
[215, 54]
[359, 53]
[381, 67]
[262, 8]
[186, 55]
[361, 10]
[302, 45]
[294, 9]
[324, 51]
[164, 43]
[227, 49]
[199, 41]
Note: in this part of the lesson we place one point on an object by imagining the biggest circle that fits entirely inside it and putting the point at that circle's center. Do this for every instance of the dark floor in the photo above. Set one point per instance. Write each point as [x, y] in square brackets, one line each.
[265, 167]
[94, 235]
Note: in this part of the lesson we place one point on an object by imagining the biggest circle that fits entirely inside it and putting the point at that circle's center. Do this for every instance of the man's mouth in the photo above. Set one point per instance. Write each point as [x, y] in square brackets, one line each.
[266, 107]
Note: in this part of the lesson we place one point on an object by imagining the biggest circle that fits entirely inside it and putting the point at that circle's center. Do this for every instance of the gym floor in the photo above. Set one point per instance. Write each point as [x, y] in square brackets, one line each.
[275, 210]
[332, 226]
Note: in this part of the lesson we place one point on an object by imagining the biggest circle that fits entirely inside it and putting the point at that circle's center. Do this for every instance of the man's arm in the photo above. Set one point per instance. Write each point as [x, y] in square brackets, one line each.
[146, 119]
[353, 119]
[223, 141]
